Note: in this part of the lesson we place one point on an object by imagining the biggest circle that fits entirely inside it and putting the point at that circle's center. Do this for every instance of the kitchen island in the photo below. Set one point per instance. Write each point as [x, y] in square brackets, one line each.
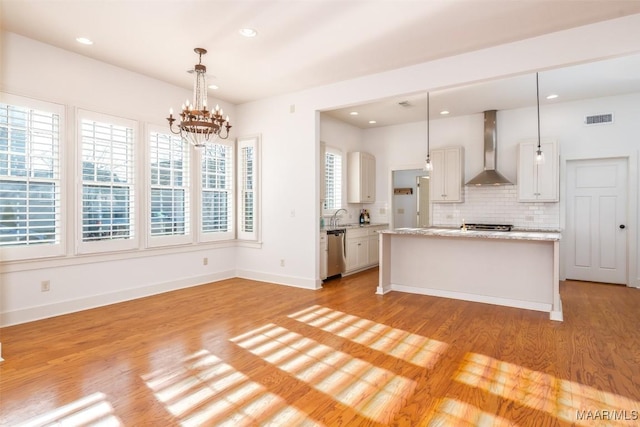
[511, 268]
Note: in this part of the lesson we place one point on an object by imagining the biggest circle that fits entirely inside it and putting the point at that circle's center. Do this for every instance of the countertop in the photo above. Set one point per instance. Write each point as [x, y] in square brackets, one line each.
[482, 234]
[354, 226]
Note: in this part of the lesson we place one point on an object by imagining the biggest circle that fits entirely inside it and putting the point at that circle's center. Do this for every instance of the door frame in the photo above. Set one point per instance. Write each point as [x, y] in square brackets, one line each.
[633, 220]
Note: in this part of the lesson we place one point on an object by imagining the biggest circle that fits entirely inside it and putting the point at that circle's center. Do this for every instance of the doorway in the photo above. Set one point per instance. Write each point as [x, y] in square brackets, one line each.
[408, 199]
[596, 234]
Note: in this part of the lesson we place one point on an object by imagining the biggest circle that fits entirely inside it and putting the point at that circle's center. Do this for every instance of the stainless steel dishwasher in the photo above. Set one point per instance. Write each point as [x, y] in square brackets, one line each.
[336, 259]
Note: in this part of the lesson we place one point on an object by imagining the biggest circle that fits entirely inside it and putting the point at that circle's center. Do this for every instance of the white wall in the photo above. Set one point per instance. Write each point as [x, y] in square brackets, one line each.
[36, 70]
[290, 131]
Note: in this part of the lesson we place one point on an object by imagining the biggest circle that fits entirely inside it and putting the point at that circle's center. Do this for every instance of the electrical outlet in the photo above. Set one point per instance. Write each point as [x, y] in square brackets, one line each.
[205, 261]
[281, 263]
[45, 286]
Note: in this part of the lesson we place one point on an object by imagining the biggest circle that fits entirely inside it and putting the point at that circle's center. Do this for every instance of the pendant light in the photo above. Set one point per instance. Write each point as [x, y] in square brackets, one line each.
[539, 153]
[428, 166]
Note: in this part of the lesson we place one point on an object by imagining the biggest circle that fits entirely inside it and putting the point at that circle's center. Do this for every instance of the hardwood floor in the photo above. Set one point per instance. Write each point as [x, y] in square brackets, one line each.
[239, 352]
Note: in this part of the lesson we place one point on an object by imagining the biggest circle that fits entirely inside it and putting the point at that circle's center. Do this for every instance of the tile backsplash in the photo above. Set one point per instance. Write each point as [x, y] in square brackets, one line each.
[497, 205]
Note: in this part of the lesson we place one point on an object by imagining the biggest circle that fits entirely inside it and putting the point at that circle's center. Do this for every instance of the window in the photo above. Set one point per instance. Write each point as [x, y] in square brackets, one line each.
[30, 199]
[248, 188]
[169, 191]
[217, 192]
[107, 192]
[333, 179]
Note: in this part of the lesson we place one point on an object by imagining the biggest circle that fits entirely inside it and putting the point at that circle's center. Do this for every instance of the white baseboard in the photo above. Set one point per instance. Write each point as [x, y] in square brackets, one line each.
[528, 305]
[296, 282]
[64, 307]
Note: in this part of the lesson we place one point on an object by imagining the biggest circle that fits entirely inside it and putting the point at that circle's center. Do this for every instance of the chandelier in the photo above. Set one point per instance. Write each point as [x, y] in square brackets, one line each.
[197, 124]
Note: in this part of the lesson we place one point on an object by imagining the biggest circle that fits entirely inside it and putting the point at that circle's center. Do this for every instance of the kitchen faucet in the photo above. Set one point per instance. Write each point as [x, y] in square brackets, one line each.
[334, 219]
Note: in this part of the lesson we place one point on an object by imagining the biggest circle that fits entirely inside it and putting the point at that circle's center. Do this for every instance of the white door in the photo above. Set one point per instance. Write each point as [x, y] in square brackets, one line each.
[423, 201]
[596, 234]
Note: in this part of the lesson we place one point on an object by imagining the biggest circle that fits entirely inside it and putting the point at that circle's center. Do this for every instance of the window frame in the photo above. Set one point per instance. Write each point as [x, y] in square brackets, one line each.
[173, 239]
[58, 248]
[108, 245]
[253, 141]
[333, 151]
[217, 236]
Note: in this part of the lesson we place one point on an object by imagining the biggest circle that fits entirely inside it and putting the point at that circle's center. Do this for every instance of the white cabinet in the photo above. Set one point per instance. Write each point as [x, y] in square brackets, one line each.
[323, 255]
[362, 247]
[361, 177]
[446, 176]
[538, 182]
[357, 249]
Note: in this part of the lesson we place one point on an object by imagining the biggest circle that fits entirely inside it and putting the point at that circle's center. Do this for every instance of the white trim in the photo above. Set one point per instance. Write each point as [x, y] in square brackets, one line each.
[27, 252]
[507, 302]
[64, 307]
[177, 239]
[134, 210]
[294, 281]
[255, 142]
[217, 236]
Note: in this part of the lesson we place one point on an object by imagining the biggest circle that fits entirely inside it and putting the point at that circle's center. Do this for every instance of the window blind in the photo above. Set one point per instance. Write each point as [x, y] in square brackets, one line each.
[29, 176]
[333, 180]
[169, 213]
[107, 181]
[217, 189]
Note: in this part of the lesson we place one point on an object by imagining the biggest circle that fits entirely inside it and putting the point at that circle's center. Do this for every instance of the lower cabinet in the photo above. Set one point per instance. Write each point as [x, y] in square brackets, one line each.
[362, 248]
[323, 255]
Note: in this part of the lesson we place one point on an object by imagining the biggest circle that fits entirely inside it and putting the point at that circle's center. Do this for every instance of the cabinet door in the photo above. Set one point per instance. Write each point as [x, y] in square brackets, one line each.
[437, 188]
[357, 253]
[361, 174]
[547, 173]
[323, 256]
[538, 182]
[368, 178]
[446, 177]
[453, 175]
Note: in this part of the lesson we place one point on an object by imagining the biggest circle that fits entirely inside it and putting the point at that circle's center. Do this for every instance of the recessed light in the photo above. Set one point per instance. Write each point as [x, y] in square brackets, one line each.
[444, 112]
[372, 122]
[84, 40]
[214, 87]
[354, 113]
[552, 96]
[248, 32]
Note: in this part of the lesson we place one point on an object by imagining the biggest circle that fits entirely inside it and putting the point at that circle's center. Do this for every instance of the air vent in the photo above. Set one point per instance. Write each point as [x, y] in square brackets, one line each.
[599, 119]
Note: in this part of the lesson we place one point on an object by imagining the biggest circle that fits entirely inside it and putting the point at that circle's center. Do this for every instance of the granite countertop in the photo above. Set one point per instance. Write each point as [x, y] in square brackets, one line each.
[354, 225]
[482, 234]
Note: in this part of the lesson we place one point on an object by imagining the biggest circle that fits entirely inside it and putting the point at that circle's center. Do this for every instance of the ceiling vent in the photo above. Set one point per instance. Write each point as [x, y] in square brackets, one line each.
[599, 119]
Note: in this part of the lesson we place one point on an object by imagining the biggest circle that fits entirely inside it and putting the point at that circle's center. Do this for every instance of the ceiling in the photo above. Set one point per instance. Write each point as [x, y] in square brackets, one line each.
[300, 43]
[609, 77]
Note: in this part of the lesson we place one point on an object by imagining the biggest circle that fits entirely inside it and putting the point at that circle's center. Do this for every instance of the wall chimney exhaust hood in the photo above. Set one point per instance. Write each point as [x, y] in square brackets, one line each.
[490, 176]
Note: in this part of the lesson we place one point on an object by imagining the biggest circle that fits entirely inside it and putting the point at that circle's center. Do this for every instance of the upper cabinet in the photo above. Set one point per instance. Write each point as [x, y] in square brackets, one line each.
[361, 173]
[446, 176]
[538, 182]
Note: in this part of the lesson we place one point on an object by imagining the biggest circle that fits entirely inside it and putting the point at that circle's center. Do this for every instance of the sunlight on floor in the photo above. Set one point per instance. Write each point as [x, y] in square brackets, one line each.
[203, 390]
[373, 392]
[565, 400]
[94, 410]
[412, 348]
[452, 412]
